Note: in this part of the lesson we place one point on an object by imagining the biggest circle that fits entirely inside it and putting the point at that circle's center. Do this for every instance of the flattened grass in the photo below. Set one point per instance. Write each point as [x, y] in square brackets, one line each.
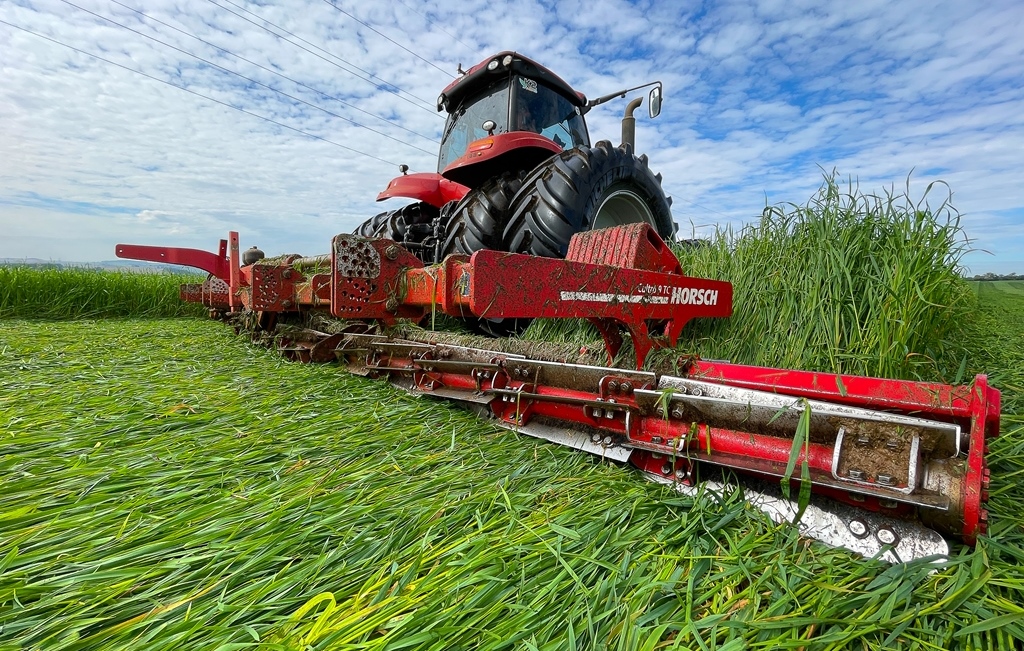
[196, 492]
[82, 293]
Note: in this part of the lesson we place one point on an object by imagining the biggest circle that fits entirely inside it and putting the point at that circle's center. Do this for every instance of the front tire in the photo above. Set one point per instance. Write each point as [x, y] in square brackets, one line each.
[582, 189]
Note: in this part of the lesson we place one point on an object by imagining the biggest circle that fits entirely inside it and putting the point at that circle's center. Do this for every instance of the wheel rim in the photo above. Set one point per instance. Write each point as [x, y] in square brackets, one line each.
[622, 207]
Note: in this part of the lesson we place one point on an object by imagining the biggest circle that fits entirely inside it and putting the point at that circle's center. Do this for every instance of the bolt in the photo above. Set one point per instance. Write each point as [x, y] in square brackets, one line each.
[595, 438]
[391, 253]
[856, 497]
[857, 474]
[863, 440]
[607, 441]
[983, 515]
[677, 413]
[626, 388]
[858, 528]
[680, 474]
[886, 536]
[660, 411]
[697, 392]
[609, 414]
[984, 495]
[985, 483]
[598, 412]
[886, 480]
[613, 386]
[656, 455]
[656, 440]
[286, 274]
[286, 303]
[666, 469]
[893, 444]
[887, 504]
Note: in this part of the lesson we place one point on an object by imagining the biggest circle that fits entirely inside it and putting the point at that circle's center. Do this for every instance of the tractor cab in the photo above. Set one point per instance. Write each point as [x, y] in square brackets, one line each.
[507, 113]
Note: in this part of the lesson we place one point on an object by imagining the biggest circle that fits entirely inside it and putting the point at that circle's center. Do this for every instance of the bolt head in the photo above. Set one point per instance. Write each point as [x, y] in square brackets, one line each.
[677, 413]
[613, 386]
[626, 387]
[886, 536]
[858, 528]
[391, 253]
[666, 469]
[983, 515]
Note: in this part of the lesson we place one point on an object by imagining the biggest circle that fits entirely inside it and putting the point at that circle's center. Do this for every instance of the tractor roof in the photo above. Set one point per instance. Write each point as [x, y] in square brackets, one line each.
[479, 77]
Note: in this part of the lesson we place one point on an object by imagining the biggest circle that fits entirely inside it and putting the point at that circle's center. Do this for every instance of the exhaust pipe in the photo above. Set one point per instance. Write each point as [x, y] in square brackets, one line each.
[629, 123]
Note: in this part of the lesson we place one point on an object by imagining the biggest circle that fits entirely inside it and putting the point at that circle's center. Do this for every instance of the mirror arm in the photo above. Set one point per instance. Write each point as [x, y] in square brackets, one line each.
[621, 93]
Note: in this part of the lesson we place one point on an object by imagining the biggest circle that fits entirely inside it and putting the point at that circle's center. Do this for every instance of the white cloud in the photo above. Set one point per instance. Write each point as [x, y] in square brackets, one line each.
[758, 96]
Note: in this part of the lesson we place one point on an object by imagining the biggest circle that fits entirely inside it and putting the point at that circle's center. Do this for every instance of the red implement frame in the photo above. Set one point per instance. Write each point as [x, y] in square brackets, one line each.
[621, 279]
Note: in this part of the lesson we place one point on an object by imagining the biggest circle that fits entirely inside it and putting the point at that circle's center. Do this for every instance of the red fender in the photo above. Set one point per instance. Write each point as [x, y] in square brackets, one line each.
[428, 187]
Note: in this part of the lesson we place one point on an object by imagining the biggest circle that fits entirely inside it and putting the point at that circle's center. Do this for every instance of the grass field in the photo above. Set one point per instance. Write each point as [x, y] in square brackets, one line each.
[166, 485]
[239, 501]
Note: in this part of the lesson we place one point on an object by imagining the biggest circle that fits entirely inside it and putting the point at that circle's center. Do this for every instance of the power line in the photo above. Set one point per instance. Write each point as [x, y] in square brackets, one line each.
[274, 72]
[471, 49]
[429, 63]
[370, 81]
[207, 97]
[249, 79]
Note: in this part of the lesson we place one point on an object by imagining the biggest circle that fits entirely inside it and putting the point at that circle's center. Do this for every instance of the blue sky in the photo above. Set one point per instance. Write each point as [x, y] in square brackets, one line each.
[760, 98]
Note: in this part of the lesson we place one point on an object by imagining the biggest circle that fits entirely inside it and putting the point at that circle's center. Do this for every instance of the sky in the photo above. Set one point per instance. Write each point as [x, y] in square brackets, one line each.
[283, 120]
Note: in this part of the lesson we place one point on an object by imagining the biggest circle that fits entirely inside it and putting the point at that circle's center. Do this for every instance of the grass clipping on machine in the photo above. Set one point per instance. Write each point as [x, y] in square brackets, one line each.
[850, 282]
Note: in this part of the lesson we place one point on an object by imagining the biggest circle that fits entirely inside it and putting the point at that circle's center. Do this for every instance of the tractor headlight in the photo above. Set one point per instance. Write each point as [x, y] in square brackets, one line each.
[492, 65]
[507, 61]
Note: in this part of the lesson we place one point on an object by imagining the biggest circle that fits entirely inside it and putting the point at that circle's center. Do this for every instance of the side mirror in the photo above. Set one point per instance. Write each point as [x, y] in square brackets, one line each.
[654, 102]
[489, 126]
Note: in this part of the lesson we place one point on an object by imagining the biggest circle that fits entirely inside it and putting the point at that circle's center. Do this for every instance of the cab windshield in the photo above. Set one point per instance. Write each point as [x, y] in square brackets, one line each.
[533, 106]
[540, 109]
[466, 124]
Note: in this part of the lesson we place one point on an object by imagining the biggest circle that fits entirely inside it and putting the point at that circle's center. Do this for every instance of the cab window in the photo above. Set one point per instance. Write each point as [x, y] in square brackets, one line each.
[540, 109]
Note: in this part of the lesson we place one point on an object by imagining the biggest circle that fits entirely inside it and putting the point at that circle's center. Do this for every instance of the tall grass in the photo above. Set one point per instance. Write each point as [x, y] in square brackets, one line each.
[850, 282]
[82, 293]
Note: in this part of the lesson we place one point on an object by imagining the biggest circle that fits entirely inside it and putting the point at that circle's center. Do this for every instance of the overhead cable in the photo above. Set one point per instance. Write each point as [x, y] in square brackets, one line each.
[455, 38]
[197, 94]
[281, 75]
[391, 40]
[425, 103]
[249, 79]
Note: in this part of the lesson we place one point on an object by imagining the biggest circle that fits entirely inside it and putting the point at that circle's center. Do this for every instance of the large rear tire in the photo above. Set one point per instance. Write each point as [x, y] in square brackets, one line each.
[407, 225]
[477, 222]
[582, 189]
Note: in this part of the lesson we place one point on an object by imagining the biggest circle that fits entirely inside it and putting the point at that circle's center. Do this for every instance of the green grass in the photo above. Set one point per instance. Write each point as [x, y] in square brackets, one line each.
[164, 485]
[81, 293]
[198, 492]
[850, 282]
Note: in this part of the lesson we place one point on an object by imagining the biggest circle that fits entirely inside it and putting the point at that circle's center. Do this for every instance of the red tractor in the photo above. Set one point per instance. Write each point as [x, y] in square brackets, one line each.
[517, 172]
